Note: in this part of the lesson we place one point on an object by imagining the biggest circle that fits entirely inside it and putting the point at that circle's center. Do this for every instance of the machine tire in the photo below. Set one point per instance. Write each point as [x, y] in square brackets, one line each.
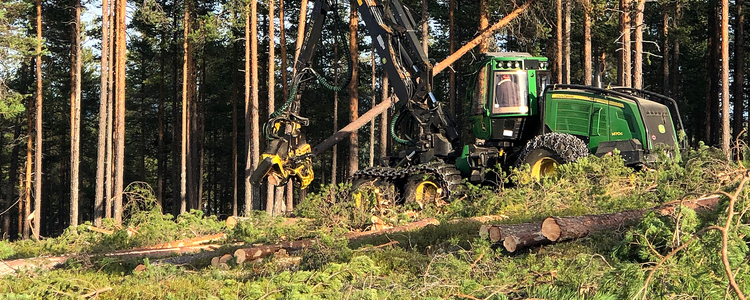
[422, 189]
[543, 153]
[384, 190]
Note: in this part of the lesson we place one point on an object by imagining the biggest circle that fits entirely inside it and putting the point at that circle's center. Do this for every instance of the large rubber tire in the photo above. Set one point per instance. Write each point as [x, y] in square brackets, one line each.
[422, 189]
[385, 192]
[545, 152]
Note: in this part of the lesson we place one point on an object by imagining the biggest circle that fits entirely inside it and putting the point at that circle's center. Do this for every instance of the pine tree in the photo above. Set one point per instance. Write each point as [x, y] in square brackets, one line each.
[353, 165]
[38, 135]
[103, 115]
[75, 114]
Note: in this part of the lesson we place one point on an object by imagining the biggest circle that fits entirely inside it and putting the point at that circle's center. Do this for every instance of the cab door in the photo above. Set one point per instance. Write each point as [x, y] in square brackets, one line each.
[599, 129]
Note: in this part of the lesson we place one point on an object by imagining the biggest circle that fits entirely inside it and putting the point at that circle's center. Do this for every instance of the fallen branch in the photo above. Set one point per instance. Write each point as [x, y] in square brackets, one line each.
[97, 292]
[188, 242]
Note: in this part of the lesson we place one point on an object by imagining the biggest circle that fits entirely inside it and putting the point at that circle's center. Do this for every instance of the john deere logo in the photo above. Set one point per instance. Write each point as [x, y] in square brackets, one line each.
[662, 129]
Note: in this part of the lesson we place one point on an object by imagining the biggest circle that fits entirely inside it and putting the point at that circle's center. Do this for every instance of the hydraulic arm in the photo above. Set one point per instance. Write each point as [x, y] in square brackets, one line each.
[431, 134]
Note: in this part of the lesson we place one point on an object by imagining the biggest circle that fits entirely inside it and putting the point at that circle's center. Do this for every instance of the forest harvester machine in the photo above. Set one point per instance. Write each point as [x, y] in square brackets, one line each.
[517, 116]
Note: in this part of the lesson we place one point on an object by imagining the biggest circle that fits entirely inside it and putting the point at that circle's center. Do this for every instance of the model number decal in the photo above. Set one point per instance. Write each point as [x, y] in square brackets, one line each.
[616, 133]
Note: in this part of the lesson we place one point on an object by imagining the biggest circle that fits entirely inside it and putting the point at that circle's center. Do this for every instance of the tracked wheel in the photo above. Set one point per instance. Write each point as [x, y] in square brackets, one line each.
[545, 152]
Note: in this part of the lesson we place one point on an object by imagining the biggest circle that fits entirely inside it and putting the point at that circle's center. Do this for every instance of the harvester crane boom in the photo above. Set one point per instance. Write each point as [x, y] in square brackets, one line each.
[391, 27]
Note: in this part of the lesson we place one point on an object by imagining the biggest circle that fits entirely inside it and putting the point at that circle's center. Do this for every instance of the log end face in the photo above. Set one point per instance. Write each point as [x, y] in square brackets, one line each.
[511, 243]
[550, 229]
[239, 256]
[495, 234]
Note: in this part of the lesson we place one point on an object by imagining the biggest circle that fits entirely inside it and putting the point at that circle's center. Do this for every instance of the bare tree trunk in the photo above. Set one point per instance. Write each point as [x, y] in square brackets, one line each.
[559, 49]
[235, 99]
[638, 56]
[334, 156]
[284, 84]
[623, 76]
[587, 55]
[255, 145]
[12, 177]
[300, 32]
[161, 161]
[75, 114]
[665, 49]
[120, 111]
[425, 27]
[353, 165]
[271, 189]
[452, 72]
[282, 41]
[22, 223]
[372, 123]
[711, 76]
[184, 155]
[739, 69]
[101, 143]
[109, 181]
[676, 53]
[725, 133]
[566, 46]
[38, 144]
[384, 118]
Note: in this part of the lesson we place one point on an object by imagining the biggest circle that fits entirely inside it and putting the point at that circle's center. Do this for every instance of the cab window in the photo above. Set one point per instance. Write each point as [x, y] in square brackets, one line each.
[510, 93]
[479, 97]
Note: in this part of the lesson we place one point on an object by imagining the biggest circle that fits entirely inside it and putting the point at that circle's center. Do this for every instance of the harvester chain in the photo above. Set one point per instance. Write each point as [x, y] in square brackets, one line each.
[447, 176]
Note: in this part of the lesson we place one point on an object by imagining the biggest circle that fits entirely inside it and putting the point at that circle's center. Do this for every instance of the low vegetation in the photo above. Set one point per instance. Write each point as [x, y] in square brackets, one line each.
[677, 256]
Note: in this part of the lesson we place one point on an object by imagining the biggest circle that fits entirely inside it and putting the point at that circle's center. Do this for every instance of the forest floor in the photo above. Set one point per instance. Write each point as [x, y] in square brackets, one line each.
[345, 246]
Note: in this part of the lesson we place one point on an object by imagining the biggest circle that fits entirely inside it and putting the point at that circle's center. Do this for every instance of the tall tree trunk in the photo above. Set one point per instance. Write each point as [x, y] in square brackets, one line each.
[12, 177]
[384, 117]
[186, 74]
[75, 113]
[623, 76]
[372, 122]
[102, 140]
[451, 74]
[161, 161]
[300, 32]
[334, 155]
[587, 55]
[716, 101]
[255, 145]
[638, 56]
[235, 100]
[725, 134]
[425, 27]
[674, 87]
[38, 135]
[120, 110]
[271, 189]
[353, 93]
[665, 48]
[739, 69]
[22, 218]
[711, 74]
[566, 46]
[559, 35]
[108, 170]
[282, 41]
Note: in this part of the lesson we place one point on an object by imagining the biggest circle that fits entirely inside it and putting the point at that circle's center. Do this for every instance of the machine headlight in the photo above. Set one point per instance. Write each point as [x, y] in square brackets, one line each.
[518, 65]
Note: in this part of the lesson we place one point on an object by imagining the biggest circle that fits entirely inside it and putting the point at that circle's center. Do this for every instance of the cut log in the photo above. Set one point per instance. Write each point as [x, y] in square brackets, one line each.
[215, 261]
[497, 233]
[225, 258]
[524, 240]
[188, 242]
[567, 228]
